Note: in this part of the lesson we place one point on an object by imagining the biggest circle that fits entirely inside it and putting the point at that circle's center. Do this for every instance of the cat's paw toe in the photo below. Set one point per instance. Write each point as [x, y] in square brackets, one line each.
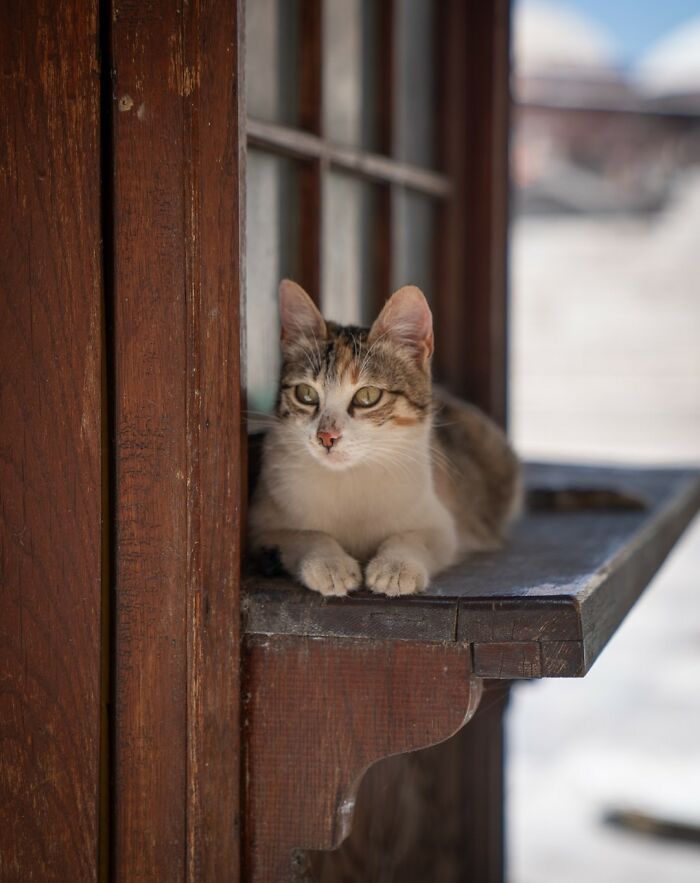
[392, 577]
[336, 575]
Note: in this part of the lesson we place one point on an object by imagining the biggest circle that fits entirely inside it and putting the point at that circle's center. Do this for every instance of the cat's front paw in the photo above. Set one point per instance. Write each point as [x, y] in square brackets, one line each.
[331, 574]
[391, 576]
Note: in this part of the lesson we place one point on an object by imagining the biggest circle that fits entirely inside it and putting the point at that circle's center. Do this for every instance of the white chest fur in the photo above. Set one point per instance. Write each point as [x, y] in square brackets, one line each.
[360, 507]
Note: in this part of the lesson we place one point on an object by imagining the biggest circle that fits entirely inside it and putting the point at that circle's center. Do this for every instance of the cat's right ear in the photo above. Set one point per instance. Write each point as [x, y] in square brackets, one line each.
[299, 315]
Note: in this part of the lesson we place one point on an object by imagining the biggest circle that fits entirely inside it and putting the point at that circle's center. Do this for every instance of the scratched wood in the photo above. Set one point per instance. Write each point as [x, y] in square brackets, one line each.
[50, 440]
[177, 117]
[317, 714]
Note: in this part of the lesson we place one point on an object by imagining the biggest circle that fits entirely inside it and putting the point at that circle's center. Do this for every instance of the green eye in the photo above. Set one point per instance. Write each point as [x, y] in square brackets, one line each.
[306, 394]
[367, 396]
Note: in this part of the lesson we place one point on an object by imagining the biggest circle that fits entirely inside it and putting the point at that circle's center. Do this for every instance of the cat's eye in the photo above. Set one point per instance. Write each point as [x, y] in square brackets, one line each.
[306, 394]
[367, 396]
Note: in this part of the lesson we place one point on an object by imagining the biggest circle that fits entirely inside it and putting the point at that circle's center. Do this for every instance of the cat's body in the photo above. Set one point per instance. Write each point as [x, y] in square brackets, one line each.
[400, 487]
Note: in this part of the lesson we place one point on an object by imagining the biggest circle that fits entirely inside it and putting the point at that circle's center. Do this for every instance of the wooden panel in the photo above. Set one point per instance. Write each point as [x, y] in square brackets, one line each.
[216, 444]
[150, 361]
[471, 311]
[515, 659]
[50, 439]
[566, 576]
[177, 286]
[493, 621]
[317, 714]
[435, 814]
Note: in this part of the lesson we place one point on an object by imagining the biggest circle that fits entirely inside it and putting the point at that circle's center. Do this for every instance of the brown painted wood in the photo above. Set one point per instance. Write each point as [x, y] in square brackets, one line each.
[382, 238]
[310, 65]
[311, 171]
[317, 713]
[471, 320]
[563, 581]
[50, 441]
[150, 362]
[413, 824]
[215, 435]
[178, 95]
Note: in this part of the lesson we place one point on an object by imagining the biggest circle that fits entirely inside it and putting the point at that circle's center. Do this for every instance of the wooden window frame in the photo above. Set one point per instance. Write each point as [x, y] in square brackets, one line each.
[469, 189]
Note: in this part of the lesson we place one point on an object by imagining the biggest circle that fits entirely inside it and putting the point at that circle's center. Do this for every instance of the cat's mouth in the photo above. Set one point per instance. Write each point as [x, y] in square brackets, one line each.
[333, 458]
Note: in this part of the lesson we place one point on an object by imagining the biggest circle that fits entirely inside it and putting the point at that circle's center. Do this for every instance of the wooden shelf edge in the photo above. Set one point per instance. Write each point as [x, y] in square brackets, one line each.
[543, 607]
[603, 610]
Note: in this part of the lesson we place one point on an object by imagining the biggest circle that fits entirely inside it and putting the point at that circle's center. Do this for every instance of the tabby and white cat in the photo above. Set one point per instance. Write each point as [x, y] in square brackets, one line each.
[366, 466]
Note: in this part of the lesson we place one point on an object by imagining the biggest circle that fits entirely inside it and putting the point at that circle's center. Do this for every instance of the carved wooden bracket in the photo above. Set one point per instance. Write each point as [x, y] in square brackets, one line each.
[318, 712]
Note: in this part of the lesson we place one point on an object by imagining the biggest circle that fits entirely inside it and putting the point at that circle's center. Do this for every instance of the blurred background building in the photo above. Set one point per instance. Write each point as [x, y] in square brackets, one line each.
[605, 366]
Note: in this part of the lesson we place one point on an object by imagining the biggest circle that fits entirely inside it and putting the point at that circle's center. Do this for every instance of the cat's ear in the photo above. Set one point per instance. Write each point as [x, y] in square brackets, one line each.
[406, 319]
[299, 315]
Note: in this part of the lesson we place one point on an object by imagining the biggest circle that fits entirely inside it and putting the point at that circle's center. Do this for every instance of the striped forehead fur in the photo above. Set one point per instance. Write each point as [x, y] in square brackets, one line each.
[346, 355]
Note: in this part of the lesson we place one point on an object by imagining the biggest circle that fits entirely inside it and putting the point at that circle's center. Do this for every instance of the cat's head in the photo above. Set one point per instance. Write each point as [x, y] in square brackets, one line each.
[350, 395]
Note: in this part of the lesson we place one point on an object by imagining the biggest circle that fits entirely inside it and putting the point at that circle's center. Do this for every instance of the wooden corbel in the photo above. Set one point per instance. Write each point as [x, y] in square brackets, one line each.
[317, 713]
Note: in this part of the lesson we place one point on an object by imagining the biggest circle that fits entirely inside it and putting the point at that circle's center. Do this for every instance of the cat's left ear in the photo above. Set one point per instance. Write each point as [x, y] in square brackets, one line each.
[299, 315]
[406, 319]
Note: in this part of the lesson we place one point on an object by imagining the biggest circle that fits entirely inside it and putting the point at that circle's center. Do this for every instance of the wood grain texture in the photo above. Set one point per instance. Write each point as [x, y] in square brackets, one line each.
[150, 362]
[317, 714]
[50, 441]
[514, 659]
[471, 317]
[177, 286]
[563, 581]
[215, 143]
[435, 814]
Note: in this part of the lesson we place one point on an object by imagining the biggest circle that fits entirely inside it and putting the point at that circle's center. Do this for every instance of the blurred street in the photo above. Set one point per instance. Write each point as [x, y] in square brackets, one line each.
[606, 366]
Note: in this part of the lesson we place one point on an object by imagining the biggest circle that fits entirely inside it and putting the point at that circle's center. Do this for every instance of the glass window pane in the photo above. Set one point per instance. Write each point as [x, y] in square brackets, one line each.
[350, 31]
[271, 238]
[348, 258]
[272, 60]
[414, 220]
[414, 129]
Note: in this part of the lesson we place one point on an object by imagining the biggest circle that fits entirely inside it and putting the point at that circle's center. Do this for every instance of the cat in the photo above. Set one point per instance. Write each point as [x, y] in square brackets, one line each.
[366, 465]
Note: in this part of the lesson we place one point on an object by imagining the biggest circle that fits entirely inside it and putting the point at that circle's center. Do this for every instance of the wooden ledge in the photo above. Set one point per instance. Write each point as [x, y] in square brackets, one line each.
[544, 606]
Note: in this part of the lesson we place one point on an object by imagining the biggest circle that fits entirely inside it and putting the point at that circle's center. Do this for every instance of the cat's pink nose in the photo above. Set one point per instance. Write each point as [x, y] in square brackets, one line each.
[328, 439]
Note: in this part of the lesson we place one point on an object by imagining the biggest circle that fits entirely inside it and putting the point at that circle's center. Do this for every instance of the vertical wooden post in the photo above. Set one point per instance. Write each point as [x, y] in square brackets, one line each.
[51, 489]
[178, 282]
[472, 310]
[311, 173]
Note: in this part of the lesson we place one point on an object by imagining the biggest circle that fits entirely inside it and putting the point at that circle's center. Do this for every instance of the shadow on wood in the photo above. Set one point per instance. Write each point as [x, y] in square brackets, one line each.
[435, 814]
[316, 717]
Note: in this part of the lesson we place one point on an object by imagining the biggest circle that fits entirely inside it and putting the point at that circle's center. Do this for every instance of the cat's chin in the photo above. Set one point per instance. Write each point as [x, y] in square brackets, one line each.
[336, 461]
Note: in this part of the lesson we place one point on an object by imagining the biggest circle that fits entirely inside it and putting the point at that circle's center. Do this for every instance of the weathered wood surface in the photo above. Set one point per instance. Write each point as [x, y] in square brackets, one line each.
[317, 714]
[178, 450]
[50, 441]
[543, 606]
